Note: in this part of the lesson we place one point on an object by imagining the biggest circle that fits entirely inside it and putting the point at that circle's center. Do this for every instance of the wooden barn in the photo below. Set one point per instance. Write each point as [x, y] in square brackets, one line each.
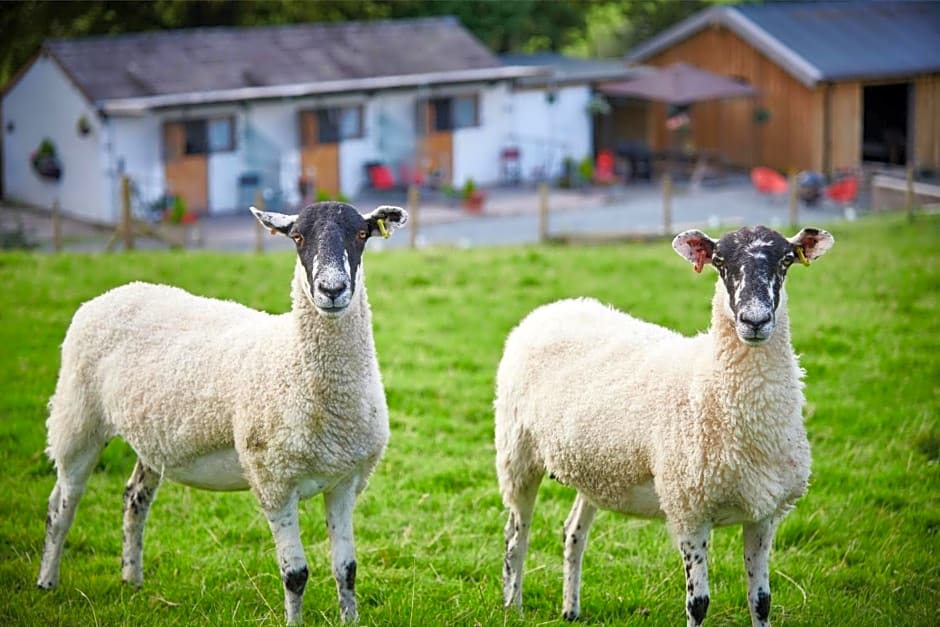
[841, 84]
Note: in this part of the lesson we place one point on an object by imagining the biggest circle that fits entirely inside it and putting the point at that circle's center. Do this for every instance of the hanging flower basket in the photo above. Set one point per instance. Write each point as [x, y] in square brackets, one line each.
[83, 126]
[45, 161]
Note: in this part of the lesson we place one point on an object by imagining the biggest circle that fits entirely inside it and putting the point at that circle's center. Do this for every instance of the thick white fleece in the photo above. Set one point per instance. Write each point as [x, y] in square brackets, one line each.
[298, 395]
[619, 408]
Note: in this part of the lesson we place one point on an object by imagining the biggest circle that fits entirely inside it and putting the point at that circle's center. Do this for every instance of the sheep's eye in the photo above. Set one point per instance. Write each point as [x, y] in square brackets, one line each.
[363, 235]
[787, 260]
[718, 261]
[298, 238]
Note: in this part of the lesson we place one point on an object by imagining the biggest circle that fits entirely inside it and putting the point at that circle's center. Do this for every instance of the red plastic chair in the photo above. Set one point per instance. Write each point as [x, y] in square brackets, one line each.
[768, 181]
[604, 168]
[843, 191]
[380, 177]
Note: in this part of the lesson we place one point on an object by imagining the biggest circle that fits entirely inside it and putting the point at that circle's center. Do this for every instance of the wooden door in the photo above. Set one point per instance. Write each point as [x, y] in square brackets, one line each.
[187, 175]
[436, 148]
[319, 162]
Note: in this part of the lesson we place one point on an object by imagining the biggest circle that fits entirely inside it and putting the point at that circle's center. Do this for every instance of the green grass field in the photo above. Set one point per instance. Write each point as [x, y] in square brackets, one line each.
[862, 548]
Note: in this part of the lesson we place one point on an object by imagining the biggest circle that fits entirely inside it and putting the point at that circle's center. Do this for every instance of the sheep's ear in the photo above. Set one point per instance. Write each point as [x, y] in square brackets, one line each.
[385, 219]
[273, 221]
[811, 243]
[695, 246]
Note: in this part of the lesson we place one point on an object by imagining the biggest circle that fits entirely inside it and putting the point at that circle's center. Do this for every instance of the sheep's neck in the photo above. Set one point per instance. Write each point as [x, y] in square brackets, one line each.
[345, 342]
[732, 352]
[742, 373]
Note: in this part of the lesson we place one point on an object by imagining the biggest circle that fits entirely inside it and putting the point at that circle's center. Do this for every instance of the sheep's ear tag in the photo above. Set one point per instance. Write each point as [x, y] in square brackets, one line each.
[379, 222]
[701, 257]
[801, 255]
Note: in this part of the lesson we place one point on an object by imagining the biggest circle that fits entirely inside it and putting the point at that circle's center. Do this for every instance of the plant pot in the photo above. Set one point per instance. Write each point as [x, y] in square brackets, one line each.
[48, 167]
[474, 202]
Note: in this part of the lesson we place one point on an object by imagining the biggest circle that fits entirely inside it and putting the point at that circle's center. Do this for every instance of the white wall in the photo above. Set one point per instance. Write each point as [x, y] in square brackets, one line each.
[477, 149]
[276, 150]
[135, 150]
[547, 132]
[43, 103]
[390, 126]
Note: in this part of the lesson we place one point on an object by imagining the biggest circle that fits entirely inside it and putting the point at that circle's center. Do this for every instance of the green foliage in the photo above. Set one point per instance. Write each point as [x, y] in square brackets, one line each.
[177, 210]
[469, 186]
[324, 195]
[586, 169]
[861, 544]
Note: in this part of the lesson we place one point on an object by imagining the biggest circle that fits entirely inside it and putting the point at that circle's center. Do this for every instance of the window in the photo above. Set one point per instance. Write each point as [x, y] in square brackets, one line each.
[338, 123]
[221, 135]
[196, 139]
[203, 136]
[453, 113]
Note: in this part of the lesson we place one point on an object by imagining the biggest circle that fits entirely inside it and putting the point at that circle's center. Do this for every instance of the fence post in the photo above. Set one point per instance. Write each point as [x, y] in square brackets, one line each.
[127, 228]
[794, 205]
[667, 203]
[909, 193]
[56, 227]
[543, 212]
[413, 203]
[259, 229]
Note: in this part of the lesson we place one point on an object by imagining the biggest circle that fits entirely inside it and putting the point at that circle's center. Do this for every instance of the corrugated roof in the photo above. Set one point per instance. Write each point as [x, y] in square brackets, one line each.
[827, 40]
[564, 69]
[159, 64]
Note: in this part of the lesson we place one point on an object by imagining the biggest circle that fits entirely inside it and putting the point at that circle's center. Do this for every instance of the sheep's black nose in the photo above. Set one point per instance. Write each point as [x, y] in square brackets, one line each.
[755, 321]
[333, 290]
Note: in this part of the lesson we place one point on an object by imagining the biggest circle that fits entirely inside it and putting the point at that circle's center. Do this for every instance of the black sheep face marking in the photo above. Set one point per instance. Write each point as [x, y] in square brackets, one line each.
[330, 238]
[753, 264]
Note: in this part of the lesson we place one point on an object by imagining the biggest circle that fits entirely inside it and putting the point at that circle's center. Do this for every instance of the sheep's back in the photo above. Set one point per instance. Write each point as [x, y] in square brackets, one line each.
[587, 389]
[168, 369]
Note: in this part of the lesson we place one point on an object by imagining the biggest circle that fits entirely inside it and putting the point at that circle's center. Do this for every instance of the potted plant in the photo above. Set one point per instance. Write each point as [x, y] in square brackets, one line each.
[46, 162]
[180, 225]
[473, 198]
[586, 171]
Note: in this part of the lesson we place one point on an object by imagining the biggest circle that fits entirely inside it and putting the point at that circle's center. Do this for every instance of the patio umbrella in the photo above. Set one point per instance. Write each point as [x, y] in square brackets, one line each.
[679, 83]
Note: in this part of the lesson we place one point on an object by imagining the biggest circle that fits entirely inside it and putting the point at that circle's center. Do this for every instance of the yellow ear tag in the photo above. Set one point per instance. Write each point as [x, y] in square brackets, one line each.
[381, 224]
[802, 256]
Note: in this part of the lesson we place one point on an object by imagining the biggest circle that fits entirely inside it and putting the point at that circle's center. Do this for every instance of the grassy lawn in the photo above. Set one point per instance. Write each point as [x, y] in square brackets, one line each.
[861, 548]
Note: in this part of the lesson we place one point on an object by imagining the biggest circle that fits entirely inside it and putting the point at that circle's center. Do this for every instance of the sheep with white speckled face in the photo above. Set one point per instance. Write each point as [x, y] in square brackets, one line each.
[704, 431]
[222, 397]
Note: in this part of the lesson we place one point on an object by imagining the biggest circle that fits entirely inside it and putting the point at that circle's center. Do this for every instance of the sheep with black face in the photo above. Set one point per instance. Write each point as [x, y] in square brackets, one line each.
[218, 396]
[703, 431]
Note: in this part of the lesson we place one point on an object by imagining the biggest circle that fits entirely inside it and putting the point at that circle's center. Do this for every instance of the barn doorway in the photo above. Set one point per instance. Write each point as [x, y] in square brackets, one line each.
[885, 123]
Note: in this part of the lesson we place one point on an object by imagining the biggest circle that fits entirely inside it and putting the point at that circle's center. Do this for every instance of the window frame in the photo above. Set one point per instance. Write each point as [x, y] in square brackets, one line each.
[447, 105]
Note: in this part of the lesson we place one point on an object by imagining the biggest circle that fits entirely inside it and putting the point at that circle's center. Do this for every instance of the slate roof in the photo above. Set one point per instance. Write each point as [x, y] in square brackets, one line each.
[212, 64]
[826, 40]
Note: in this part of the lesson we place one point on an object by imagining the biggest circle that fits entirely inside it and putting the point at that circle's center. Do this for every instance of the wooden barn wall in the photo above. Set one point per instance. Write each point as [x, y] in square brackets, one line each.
[793, 136]
[845, 126]
[927, 122]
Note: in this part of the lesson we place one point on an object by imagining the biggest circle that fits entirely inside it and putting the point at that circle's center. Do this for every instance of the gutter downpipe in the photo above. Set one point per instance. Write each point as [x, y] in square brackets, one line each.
[109, 147]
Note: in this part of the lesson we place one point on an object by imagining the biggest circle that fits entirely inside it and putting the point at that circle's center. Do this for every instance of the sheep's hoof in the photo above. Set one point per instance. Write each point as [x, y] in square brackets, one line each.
[45, 585]
[570, 615]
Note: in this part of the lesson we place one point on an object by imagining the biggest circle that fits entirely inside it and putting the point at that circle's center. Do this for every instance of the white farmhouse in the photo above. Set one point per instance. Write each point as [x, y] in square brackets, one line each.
[213, 115]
